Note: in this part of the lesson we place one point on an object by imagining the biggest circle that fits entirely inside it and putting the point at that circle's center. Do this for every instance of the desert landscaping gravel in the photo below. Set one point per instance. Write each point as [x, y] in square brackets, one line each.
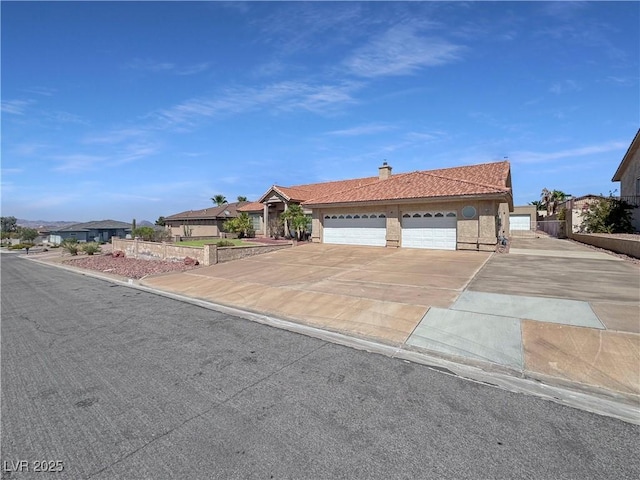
[127, 267]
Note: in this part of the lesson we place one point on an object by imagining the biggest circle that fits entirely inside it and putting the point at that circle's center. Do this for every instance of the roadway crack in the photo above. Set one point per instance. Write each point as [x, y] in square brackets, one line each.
[213, 407]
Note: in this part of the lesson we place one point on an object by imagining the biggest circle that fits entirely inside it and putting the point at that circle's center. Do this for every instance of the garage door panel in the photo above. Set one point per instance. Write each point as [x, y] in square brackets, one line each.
[519, 222]
[425, 230]
[356, 231]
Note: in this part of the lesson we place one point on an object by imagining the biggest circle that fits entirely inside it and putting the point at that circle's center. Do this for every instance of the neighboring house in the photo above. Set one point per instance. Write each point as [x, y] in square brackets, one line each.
[95, 231]
[451, 208]
[628, 174]
[207, 222]
[577, 206]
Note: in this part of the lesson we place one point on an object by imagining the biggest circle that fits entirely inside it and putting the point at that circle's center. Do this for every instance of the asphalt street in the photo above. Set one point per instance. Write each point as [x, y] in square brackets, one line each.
[114, 382]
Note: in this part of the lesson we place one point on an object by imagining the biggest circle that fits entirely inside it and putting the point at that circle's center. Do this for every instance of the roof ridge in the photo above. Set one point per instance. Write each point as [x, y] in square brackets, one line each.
[487, 185]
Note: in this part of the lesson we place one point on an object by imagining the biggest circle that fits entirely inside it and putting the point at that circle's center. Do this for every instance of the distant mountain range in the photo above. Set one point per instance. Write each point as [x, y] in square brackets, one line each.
[55, 224]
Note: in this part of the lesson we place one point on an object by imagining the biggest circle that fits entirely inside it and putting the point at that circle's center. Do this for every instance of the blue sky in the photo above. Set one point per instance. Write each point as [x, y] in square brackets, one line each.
[128, 110]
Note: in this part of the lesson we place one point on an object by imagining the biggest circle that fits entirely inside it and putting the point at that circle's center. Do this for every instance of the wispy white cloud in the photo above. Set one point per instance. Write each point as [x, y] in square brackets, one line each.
[12, 171]
[16, 107]
[44, 91]
[28, 149]
[401, 51]
[116, 136]
[283, 96]
[77, 162]
[303, 26]
[544, 157]
[133, 153]
[627, 81]
[65, 117]
[564, 86]
[368, 129]
[130, 196]
[153, 66]
[150, 65]
[192, 69]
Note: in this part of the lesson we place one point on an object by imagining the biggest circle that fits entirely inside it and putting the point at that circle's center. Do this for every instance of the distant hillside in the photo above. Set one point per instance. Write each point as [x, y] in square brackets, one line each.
[44, 224]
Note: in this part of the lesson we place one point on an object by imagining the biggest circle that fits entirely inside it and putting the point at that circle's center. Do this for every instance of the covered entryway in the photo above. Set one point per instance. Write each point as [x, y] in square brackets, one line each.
[355, 229]
[519, 222]
[435, 230]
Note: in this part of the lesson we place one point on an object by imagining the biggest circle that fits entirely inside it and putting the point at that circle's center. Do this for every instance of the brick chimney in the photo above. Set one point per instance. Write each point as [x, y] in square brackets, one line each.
[384, 171]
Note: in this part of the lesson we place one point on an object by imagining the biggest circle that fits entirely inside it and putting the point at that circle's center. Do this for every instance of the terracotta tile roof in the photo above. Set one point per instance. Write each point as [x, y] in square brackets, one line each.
[251, 207]
[483, 179]
[300, 193]
[228, 210]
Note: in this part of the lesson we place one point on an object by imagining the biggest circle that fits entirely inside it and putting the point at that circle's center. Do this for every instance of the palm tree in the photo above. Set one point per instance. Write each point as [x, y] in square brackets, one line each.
[537, 204]
[219, 199]
[242, 198]
[551, 199]
[297, 219]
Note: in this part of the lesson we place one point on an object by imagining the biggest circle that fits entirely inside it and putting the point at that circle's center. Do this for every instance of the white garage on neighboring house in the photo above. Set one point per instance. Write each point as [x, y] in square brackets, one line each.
[522, 219]
[436, 230]
[520, 222]
[356, 229]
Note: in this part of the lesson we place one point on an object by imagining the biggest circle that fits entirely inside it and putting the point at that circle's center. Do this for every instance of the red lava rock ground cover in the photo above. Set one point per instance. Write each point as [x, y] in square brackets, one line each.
[127, 267]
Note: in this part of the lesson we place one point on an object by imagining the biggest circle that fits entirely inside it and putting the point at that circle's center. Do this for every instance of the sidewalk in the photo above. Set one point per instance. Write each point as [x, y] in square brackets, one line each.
[551, 311]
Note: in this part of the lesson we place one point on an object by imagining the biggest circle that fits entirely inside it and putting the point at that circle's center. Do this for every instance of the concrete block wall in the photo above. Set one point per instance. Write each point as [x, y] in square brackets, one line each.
[207, 255]
[624, 245]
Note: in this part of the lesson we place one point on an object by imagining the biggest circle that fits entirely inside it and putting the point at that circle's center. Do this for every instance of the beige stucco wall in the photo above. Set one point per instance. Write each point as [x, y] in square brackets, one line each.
[630, 175]
[478, 233]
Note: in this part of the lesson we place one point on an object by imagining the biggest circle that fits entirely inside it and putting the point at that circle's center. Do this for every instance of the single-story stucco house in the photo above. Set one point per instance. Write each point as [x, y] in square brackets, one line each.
[207, 222]
[94, 231]
[462, 208]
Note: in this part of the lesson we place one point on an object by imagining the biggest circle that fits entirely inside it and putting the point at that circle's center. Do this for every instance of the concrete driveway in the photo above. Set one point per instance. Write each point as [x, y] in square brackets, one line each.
[371, 292]
[550, 309]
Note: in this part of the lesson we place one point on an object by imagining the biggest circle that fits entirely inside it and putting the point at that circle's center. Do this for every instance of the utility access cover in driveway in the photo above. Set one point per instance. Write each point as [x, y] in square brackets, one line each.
[542, 309]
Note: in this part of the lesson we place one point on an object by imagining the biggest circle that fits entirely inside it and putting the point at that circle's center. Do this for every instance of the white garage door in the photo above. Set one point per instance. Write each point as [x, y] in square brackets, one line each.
[519, 222]
[356, 229]
[435, 230]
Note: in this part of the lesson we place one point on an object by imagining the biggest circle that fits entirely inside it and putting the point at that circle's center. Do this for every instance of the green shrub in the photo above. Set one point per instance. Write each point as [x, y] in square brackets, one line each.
[91, 248]
[607, 215]
[146, 233]
[71, 246]
[20, 246]
[224, 243]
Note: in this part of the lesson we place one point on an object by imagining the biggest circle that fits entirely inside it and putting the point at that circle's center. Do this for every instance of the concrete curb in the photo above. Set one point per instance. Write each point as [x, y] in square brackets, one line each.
[575, 395]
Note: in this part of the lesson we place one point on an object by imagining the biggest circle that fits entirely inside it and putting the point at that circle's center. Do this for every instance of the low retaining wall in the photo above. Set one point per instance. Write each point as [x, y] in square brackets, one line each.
[624, 245]
[207, 255]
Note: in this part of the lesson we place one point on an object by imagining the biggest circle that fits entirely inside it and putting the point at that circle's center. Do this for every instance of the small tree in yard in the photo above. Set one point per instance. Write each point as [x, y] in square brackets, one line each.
[28, 235]
[146, 233]
[241, 225]
[607, 215]
[8, 224]
[297, 219]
